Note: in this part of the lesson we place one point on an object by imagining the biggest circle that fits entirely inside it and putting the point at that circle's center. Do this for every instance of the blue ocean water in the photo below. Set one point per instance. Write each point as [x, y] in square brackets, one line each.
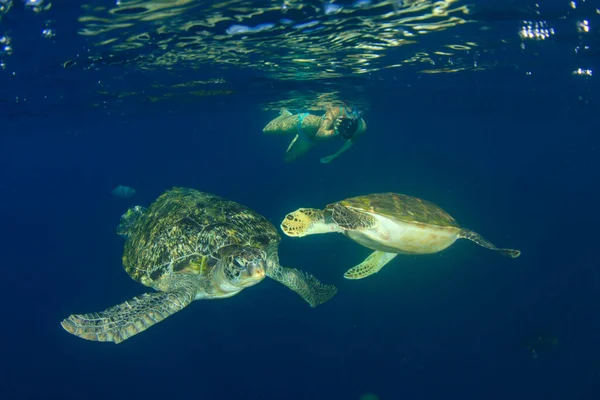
[489, 109]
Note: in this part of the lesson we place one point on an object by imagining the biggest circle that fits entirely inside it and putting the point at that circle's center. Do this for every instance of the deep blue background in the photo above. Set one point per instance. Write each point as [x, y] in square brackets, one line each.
[511, 156]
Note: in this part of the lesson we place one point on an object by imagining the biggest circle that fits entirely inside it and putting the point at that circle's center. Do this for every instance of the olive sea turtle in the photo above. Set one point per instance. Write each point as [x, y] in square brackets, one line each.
[188, 246]
[389, 223]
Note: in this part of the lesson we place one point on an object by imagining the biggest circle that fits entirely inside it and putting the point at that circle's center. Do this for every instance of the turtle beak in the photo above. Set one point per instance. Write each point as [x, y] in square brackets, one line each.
[256, 270]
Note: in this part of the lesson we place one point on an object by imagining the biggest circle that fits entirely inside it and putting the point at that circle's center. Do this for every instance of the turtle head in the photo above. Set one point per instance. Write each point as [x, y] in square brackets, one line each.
[242, 267]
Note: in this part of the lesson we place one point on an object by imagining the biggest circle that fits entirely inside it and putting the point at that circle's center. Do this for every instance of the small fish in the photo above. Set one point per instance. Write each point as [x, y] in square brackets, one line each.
[123, 192]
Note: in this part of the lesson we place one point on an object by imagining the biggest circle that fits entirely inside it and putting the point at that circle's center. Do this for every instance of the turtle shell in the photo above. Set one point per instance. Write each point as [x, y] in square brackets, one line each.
[401, 207]
[184, 230]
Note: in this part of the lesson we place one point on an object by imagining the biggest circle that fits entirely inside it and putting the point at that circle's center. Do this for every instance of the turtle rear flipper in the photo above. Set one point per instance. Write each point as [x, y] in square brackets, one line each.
[370, 266]
[480, 240]
[127, 319]
[307, 286]
[306, 221]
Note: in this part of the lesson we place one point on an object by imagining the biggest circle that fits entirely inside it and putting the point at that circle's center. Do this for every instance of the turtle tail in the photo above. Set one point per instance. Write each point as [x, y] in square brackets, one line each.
[129, 220]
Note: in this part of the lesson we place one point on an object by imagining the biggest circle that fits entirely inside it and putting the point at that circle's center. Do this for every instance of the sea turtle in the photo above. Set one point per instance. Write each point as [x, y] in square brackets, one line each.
[188, 246]
[389, 223]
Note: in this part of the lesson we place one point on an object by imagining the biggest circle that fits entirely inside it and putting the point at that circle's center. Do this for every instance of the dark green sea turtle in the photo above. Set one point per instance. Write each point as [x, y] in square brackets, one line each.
[188, 246]
[388, 223]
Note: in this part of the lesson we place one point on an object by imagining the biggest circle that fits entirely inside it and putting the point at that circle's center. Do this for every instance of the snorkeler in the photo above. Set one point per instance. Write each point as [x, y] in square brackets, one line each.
[309, 130]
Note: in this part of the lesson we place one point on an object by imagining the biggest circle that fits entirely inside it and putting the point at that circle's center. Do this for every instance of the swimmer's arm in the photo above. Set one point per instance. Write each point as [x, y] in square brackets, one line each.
[362, 127]
[326, 130]
[347, 144]
[345, 147]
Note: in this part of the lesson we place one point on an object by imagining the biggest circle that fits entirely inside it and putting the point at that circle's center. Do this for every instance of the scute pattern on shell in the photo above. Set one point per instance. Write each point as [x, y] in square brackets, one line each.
[185, 226]
[402, 208]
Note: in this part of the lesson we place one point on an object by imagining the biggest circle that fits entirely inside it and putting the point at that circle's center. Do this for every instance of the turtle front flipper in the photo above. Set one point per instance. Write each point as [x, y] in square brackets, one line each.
[127, 319]
[370, 266]
[480, 240]
[306, 221]
[307, 286]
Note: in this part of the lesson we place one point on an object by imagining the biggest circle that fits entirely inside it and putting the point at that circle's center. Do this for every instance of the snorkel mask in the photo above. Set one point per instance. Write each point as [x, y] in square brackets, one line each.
[349, 122]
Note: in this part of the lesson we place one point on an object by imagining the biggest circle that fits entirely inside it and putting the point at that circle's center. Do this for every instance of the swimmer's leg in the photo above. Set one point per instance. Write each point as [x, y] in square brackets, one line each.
[285, 124]
[298, 147]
